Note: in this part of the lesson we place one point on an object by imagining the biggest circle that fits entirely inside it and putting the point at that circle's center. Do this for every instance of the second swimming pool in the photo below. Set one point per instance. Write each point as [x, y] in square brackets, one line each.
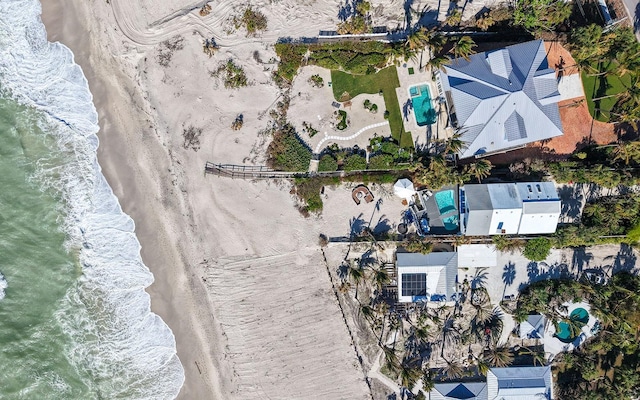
[422, 108]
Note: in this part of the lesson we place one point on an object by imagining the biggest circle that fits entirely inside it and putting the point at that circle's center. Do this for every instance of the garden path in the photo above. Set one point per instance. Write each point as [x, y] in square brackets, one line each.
[332, 137]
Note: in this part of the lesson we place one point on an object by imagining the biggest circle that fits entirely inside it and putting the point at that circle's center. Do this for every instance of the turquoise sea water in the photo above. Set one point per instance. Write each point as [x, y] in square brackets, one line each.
[75, 321]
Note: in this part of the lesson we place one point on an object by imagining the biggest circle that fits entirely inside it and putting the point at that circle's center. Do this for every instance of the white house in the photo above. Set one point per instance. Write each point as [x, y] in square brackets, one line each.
[509, 208]
[427, 277]
[502, 99]
[516, 383]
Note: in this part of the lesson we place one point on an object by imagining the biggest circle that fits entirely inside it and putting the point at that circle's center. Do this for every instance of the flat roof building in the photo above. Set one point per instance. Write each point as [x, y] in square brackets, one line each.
[510, 208]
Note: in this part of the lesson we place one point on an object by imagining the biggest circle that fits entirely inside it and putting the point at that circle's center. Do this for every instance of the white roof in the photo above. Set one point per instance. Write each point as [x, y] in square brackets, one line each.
[477, 255]
[504, 99]
[519, 383]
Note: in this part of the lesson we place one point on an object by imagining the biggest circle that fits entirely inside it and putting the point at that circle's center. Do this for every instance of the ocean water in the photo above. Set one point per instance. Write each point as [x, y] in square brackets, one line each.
[75, 321]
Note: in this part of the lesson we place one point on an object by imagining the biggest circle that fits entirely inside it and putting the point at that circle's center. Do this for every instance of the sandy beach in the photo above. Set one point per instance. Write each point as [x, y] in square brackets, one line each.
[239, 276]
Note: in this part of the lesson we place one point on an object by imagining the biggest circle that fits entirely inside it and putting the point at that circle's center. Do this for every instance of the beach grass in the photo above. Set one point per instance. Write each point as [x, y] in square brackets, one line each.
[385, 80]
[602, 86]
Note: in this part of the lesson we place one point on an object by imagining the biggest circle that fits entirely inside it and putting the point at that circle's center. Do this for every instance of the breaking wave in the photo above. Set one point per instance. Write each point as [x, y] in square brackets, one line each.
[128, 351]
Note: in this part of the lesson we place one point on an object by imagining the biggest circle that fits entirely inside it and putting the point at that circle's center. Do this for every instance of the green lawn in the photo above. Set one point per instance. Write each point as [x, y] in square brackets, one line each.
[385, 80]
[601, 86]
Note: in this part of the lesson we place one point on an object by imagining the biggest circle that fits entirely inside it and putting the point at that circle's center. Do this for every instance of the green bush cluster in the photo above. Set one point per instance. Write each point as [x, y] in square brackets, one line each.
[287, 152]
[342, 115]
[232, 74]
[355, 57]
[290, 55]
[327, 163]
[354, 162]
[617, 216]
[253, 21]
[537, 249]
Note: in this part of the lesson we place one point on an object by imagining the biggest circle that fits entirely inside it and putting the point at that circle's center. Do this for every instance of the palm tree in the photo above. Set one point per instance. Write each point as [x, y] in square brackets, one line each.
[367, 312]
[380, 277]
[480, 169]
[417, 39]
[499, 356]
[626, 152]
[453, 370]
[409, 374]
[463, 47]
[355, 274]
[455, 144]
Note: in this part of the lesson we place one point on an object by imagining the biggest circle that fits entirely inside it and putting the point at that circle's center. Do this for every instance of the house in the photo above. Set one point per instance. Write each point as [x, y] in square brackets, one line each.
[502, 99]
[459, 390]
[427, 277]
[515, 383]
[533, 327]
[509, 208]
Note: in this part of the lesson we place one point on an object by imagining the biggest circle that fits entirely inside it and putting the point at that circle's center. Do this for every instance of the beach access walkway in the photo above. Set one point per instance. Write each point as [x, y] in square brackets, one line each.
[252, 172]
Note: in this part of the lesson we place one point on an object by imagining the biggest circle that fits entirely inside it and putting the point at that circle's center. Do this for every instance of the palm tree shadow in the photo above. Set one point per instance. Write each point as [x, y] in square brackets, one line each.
[479, 279]
[508, 276]
[625, 259]
[406, 108]
[382, 226]
[356, 225]
[347, 10]
[572, 200]
[580, 259]
[407, 13]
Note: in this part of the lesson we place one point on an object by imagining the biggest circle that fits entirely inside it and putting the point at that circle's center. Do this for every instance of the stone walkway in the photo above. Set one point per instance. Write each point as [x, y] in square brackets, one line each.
[327, 138]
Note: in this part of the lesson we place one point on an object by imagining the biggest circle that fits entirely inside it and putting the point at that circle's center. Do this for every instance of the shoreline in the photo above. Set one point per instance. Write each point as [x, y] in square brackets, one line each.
[175, 296]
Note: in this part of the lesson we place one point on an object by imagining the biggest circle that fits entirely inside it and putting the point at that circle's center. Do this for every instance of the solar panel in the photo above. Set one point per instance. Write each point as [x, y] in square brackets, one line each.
[414, 284]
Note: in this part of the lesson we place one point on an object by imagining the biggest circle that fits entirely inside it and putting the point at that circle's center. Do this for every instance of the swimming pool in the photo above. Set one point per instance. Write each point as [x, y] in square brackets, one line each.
[422, 108]
[445, 201]
[564, 330]
[447, 205]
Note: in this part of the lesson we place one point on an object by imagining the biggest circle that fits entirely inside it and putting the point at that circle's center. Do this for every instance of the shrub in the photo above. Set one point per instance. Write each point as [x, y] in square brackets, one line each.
[386, 114]
[354, 162]
[232, 74]
[253, 21]
[327, 163]
[316, 81]
[290, 59]
[286, 152]
[374, 108]
[342, 115]
[419, 246]
[367, 104]
[381, 161]
[308, 190]
[237, 123]
[537, 249]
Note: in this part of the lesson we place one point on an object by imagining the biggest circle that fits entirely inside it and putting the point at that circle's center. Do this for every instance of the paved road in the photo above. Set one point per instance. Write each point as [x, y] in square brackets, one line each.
[633, 9]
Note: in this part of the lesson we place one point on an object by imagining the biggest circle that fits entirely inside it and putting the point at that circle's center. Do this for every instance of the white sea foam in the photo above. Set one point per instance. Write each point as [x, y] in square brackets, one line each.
[3, 286]
[127, 350]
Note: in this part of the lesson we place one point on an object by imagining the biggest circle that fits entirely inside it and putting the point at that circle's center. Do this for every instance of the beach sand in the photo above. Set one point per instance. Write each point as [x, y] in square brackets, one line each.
[239, 275]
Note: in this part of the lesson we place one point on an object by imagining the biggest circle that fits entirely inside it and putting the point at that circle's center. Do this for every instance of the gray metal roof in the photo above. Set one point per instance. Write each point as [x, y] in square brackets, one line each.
[448, 276]
[533, 327]
[492, 89]
[515, 383]
[459, 390]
